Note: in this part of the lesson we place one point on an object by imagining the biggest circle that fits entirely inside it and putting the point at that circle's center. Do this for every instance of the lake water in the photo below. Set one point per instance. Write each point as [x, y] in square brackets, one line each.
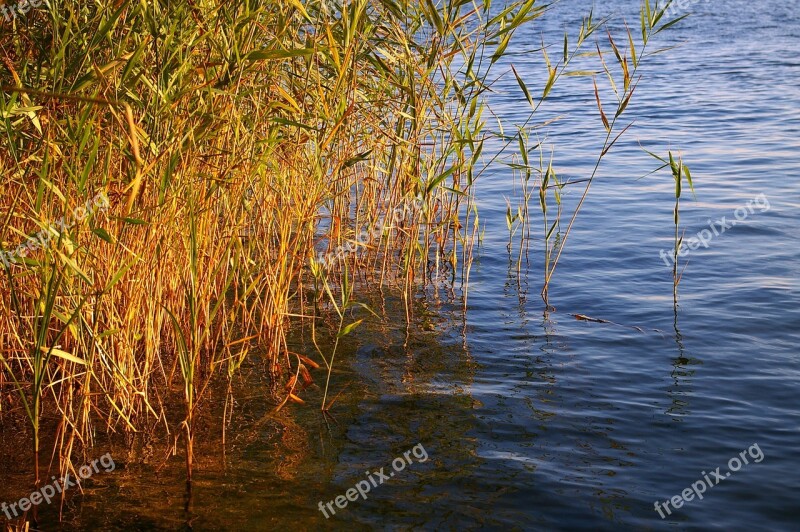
[544, 423]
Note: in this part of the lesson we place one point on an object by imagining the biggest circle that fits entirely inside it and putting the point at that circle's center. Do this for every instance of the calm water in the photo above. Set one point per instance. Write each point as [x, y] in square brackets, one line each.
[534, 423]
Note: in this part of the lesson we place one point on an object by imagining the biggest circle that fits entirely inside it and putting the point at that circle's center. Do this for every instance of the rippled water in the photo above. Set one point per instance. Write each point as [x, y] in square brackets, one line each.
[553, 423]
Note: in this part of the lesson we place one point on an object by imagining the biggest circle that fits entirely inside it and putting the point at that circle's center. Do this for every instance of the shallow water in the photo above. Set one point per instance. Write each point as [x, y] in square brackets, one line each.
[535, 423]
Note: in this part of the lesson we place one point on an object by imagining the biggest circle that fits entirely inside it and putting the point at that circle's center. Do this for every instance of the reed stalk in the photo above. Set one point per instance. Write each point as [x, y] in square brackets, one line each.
[235, 142]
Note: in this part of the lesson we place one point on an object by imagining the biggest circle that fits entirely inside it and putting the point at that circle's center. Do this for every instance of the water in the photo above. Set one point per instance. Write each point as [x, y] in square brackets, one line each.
[554, 423]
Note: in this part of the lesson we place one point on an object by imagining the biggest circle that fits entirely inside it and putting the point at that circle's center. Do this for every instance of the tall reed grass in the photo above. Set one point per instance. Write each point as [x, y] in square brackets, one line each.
[235, 141]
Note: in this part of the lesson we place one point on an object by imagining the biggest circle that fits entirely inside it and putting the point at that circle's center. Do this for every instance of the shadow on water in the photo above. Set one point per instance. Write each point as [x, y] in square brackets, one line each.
[401, 386]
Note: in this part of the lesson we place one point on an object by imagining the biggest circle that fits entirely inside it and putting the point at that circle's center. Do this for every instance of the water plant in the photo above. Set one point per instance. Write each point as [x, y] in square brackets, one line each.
[235, 142]
[623, 85]
[680, 172]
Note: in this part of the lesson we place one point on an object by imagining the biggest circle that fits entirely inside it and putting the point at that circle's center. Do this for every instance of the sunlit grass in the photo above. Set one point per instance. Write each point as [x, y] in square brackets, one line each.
[235, 142]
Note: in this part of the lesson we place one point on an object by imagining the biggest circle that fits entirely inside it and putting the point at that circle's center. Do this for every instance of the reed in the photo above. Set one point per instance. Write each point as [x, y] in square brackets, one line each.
[680, 173]
[234, 142]
[622, 73]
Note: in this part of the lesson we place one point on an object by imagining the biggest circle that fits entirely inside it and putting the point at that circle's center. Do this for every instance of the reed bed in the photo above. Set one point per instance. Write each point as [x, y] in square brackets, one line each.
[202, 156]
